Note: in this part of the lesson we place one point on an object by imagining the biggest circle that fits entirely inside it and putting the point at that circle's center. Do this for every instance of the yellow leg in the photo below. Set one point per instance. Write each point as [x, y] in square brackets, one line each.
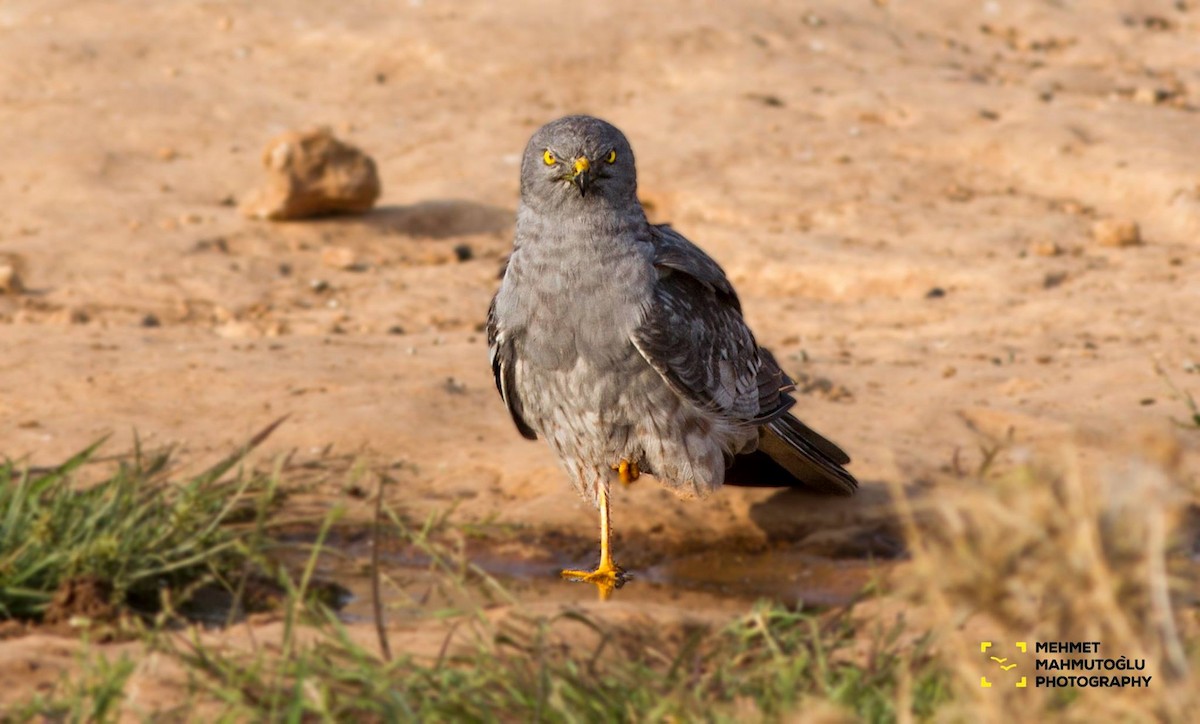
[627, 471]
[608, 575]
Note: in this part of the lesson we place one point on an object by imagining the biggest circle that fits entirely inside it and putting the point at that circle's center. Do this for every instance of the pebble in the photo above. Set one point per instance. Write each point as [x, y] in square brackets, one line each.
[339, 257]
[1116, 233]
[10, 280]
[1045, 248]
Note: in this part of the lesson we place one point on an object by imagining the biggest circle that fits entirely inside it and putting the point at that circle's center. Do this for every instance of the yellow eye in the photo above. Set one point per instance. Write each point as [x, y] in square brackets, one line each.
[612, 156]
[549, 158]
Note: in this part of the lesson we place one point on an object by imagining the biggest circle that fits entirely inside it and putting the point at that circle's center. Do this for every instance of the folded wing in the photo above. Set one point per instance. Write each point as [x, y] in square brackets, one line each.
[694, 335]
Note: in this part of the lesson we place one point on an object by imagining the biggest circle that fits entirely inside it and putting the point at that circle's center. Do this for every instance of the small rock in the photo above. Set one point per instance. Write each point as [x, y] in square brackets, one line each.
[1116, 232]
[463, 252]
[957, 192]
[151, 320]
[1145, 95]
[767, 99]
[338, 257]
[216, 243]
[236, 330]
[311, 173]
[935, 293]
[10, 280]
[1045, 248]
[1053, 279]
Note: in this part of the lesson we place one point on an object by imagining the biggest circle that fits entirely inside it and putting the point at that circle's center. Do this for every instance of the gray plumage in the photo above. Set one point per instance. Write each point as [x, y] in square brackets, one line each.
[613, 338]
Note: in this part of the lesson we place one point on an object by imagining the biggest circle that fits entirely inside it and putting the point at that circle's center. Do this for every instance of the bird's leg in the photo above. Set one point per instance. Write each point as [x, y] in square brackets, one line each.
[608, 575]
[627, 471]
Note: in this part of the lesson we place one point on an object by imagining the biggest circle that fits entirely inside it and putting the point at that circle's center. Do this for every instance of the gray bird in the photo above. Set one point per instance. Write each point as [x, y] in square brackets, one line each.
[622, 344]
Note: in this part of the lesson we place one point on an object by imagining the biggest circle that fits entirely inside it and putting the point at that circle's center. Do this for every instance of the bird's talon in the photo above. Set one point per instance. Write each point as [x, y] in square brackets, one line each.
[627, 471]
[606, 579]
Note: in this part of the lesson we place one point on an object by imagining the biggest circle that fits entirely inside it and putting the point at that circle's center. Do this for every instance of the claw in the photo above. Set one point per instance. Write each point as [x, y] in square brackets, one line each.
[606, 579]
[627, 471]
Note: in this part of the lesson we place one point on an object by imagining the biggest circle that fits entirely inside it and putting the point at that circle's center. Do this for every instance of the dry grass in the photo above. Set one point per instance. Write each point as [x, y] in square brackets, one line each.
[1081, 549]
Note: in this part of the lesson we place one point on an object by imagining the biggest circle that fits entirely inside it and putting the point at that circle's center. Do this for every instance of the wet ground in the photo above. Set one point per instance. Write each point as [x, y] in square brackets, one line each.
[414, 581]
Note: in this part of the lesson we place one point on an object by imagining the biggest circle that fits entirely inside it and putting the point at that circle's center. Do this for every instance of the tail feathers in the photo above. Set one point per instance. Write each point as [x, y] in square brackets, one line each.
[790, 454]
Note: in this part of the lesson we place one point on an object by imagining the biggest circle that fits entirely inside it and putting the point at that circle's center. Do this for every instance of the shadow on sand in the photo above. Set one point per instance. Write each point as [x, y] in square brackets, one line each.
[863, 526]
[439, 219]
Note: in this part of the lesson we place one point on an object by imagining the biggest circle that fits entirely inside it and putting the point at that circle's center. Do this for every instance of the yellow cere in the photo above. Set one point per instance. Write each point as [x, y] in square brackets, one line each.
[581, 164]
[549, 158]
[612, 156]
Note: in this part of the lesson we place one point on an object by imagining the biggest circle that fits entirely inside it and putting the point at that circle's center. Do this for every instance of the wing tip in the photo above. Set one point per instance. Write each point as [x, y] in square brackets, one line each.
[808, 457]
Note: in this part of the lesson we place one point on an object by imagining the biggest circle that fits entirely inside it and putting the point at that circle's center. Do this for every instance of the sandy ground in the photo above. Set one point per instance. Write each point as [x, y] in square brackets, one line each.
[903, 193]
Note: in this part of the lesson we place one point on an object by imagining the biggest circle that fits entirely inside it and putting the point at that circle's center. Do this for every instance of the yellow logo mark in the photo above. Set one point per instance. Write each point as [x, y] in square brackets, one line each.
[983, 680]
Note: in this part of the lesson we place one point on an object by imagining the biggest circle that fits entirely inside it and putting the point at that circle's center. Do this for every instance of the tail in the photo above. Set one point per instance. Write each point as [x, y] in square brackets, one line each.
[791, 455]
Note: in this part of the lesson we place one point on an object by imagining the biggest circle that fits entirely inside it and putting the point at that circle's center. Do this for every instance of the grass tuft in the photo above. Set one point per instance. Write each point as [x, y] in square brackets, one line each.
[134, 539]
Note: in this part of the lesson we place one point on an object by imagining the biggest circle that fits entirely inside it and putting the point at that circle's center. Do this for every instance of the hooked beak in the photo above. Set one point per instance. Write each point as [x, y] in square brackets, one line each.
[583, 176]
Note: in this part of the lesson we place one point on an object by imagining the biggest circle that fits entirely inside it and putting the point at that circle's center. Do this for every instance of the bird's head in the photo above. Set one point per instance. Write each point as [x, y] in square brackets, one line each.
[578, 160]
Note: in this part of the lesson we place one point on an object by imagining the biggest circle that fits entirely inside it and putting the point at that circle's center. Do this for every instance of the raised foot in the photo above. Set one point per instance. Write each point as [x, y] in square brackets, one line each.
[627, 471]
[606, 578]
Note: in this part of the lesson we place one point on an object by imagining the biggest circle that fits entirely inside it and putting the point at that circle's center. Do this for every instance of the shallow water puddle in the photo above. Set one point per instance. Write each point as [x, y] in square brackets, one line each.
[713, 579]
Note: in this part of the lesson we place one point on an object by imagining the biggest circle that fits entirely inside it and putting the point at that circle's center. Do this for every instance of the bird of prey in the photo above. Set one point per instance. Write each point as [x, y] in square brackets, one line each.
[623, 345]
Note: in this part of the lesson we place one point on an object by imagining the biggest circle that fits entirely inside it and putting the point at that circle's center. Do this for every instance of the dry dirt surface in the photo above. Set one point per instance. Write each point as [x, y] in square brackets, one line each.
[903, 192]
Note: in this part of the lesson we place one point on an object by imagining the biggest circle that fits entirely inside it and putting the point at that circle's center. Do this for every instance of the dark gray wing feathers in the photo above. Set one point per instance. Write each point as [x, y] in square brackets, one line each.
[500, 353]
[694, 335]
[674, 252]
